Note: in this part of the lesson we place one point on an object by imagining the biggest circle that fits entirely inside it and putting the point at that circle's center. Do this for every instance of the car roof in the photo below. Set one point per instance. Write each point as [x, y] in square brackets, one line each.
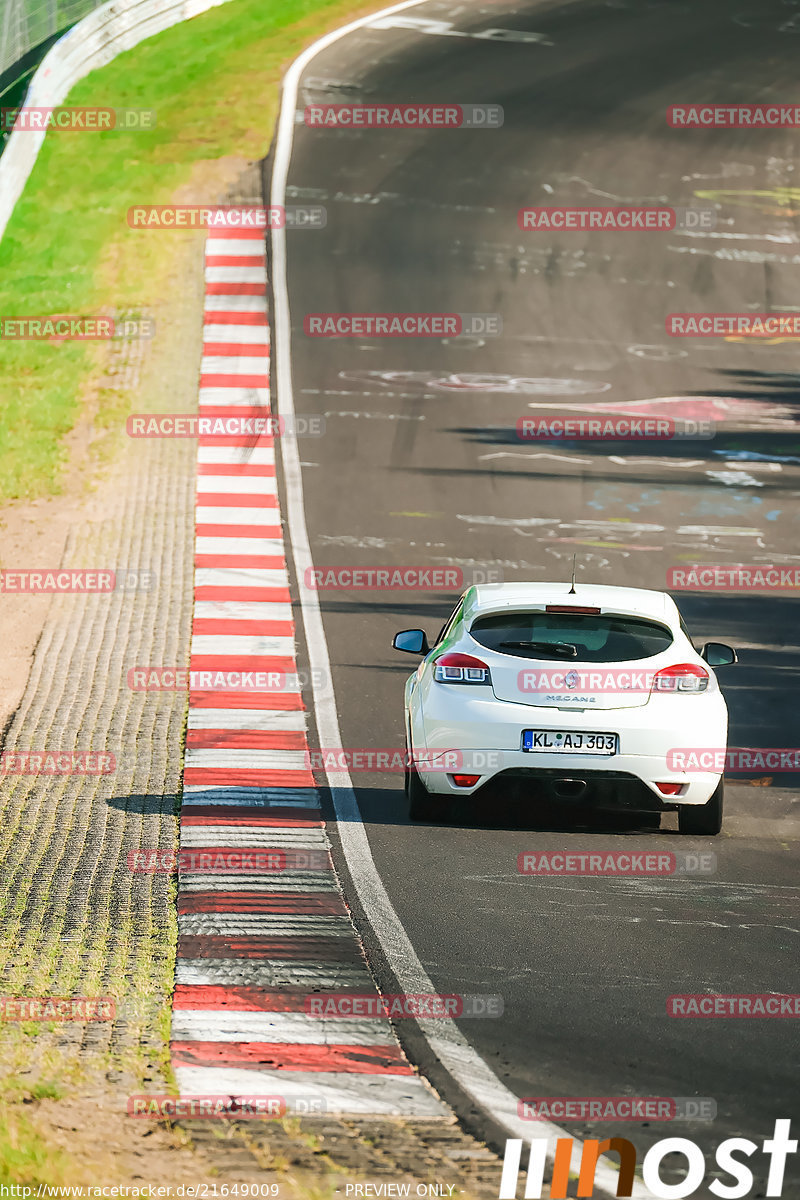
[494, 597]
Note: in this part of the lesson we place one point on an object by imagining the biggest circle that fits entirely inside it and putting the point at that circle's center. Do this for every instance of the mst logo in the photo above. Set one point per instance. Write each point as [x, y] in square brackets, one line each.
[569, 1160]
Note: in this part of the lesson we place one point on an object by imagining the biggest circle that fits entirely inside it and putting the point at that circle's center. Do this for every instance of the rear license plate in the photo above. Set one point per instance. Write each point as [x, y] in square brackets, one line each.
[567, 741]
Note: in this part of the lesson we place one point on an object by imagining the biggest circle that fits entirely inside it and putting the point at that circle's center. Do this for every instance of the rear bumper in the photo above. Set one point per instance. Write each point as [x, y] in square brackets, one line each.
[620, 781]
[628, 778]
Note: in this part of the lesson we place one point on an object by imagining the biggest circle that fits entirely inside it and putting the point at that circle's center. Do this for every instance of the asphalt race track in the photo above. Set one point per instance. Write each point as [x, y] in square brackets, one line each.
[421, 465]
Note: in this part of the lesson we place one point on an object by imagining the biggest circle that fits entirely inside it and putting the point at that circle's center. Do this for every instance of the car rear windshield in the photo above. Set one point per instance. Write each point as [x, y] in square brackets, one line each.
[603, 638]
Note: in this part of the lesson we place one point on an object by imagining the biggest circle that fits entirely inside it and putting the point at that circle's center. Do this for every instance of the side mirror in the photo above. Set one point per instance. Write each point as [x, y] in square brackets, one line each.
[412, 641]
[717, 654]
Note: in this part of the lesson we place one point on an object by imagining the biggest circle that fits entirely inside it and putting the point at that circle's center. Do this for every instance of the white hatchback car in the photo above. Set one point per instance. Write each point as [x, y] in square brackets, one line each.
[592, 694]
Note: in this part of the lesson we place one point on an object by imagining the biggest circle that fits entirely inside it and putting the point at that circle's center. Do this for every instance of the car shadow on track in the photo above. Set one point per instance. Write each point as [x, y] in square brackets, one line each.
[388, 806]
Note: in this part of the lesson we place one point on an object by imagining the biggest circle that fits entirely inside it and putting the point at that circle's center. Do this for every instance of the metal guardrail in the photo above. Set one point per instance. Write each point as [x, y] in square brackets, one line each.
[25, 24]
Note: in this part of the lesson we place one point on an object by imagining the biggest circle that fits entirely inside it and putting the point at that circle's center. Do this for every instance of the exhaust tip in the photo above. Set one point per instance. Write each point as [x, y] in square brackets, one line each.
[570, 789]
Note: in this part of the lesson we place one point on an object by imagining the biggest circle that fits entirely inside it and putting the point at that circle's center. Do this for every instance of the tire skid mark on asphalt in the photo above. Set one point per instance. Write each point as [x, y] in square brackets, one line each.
[258, 937]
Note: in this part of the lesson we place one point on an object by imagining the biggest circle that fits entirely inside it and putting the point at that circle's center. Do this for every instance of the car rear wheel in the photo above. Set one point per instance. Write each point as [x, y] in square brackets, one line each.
[704, 819]
[422, 806]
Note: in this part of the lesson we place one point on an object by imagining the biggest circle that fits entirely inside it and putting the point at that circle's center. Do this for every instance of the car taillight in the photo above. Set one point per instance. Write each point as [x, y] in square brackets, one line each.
[572, 608]
[465, 780]
[669, 789]
[460, 668]
[684, 677]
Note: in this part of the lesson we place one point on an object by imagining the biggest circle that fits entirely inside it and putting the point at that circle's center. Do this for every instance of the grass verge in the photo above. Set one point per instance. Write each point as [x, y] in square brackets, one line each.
[25, 1159]
[214, 84]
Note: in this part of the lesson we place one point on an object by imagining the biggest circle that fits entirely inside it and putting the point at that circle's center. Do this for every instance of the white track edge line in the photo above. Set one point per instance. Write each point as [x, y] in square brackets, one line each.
[457, 1056]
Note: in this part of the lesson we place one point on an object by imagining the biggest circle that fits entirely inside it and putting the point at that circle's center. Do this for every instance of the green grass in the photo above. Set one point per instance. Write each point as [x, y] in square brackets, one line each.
[213, 82]
[25, 1159]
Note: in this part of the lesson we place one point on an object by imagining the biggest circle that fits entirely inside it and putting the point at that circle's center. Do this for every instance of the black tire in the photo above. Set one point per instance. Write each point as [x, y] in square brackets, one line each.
[422, 805]
[704, 820]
